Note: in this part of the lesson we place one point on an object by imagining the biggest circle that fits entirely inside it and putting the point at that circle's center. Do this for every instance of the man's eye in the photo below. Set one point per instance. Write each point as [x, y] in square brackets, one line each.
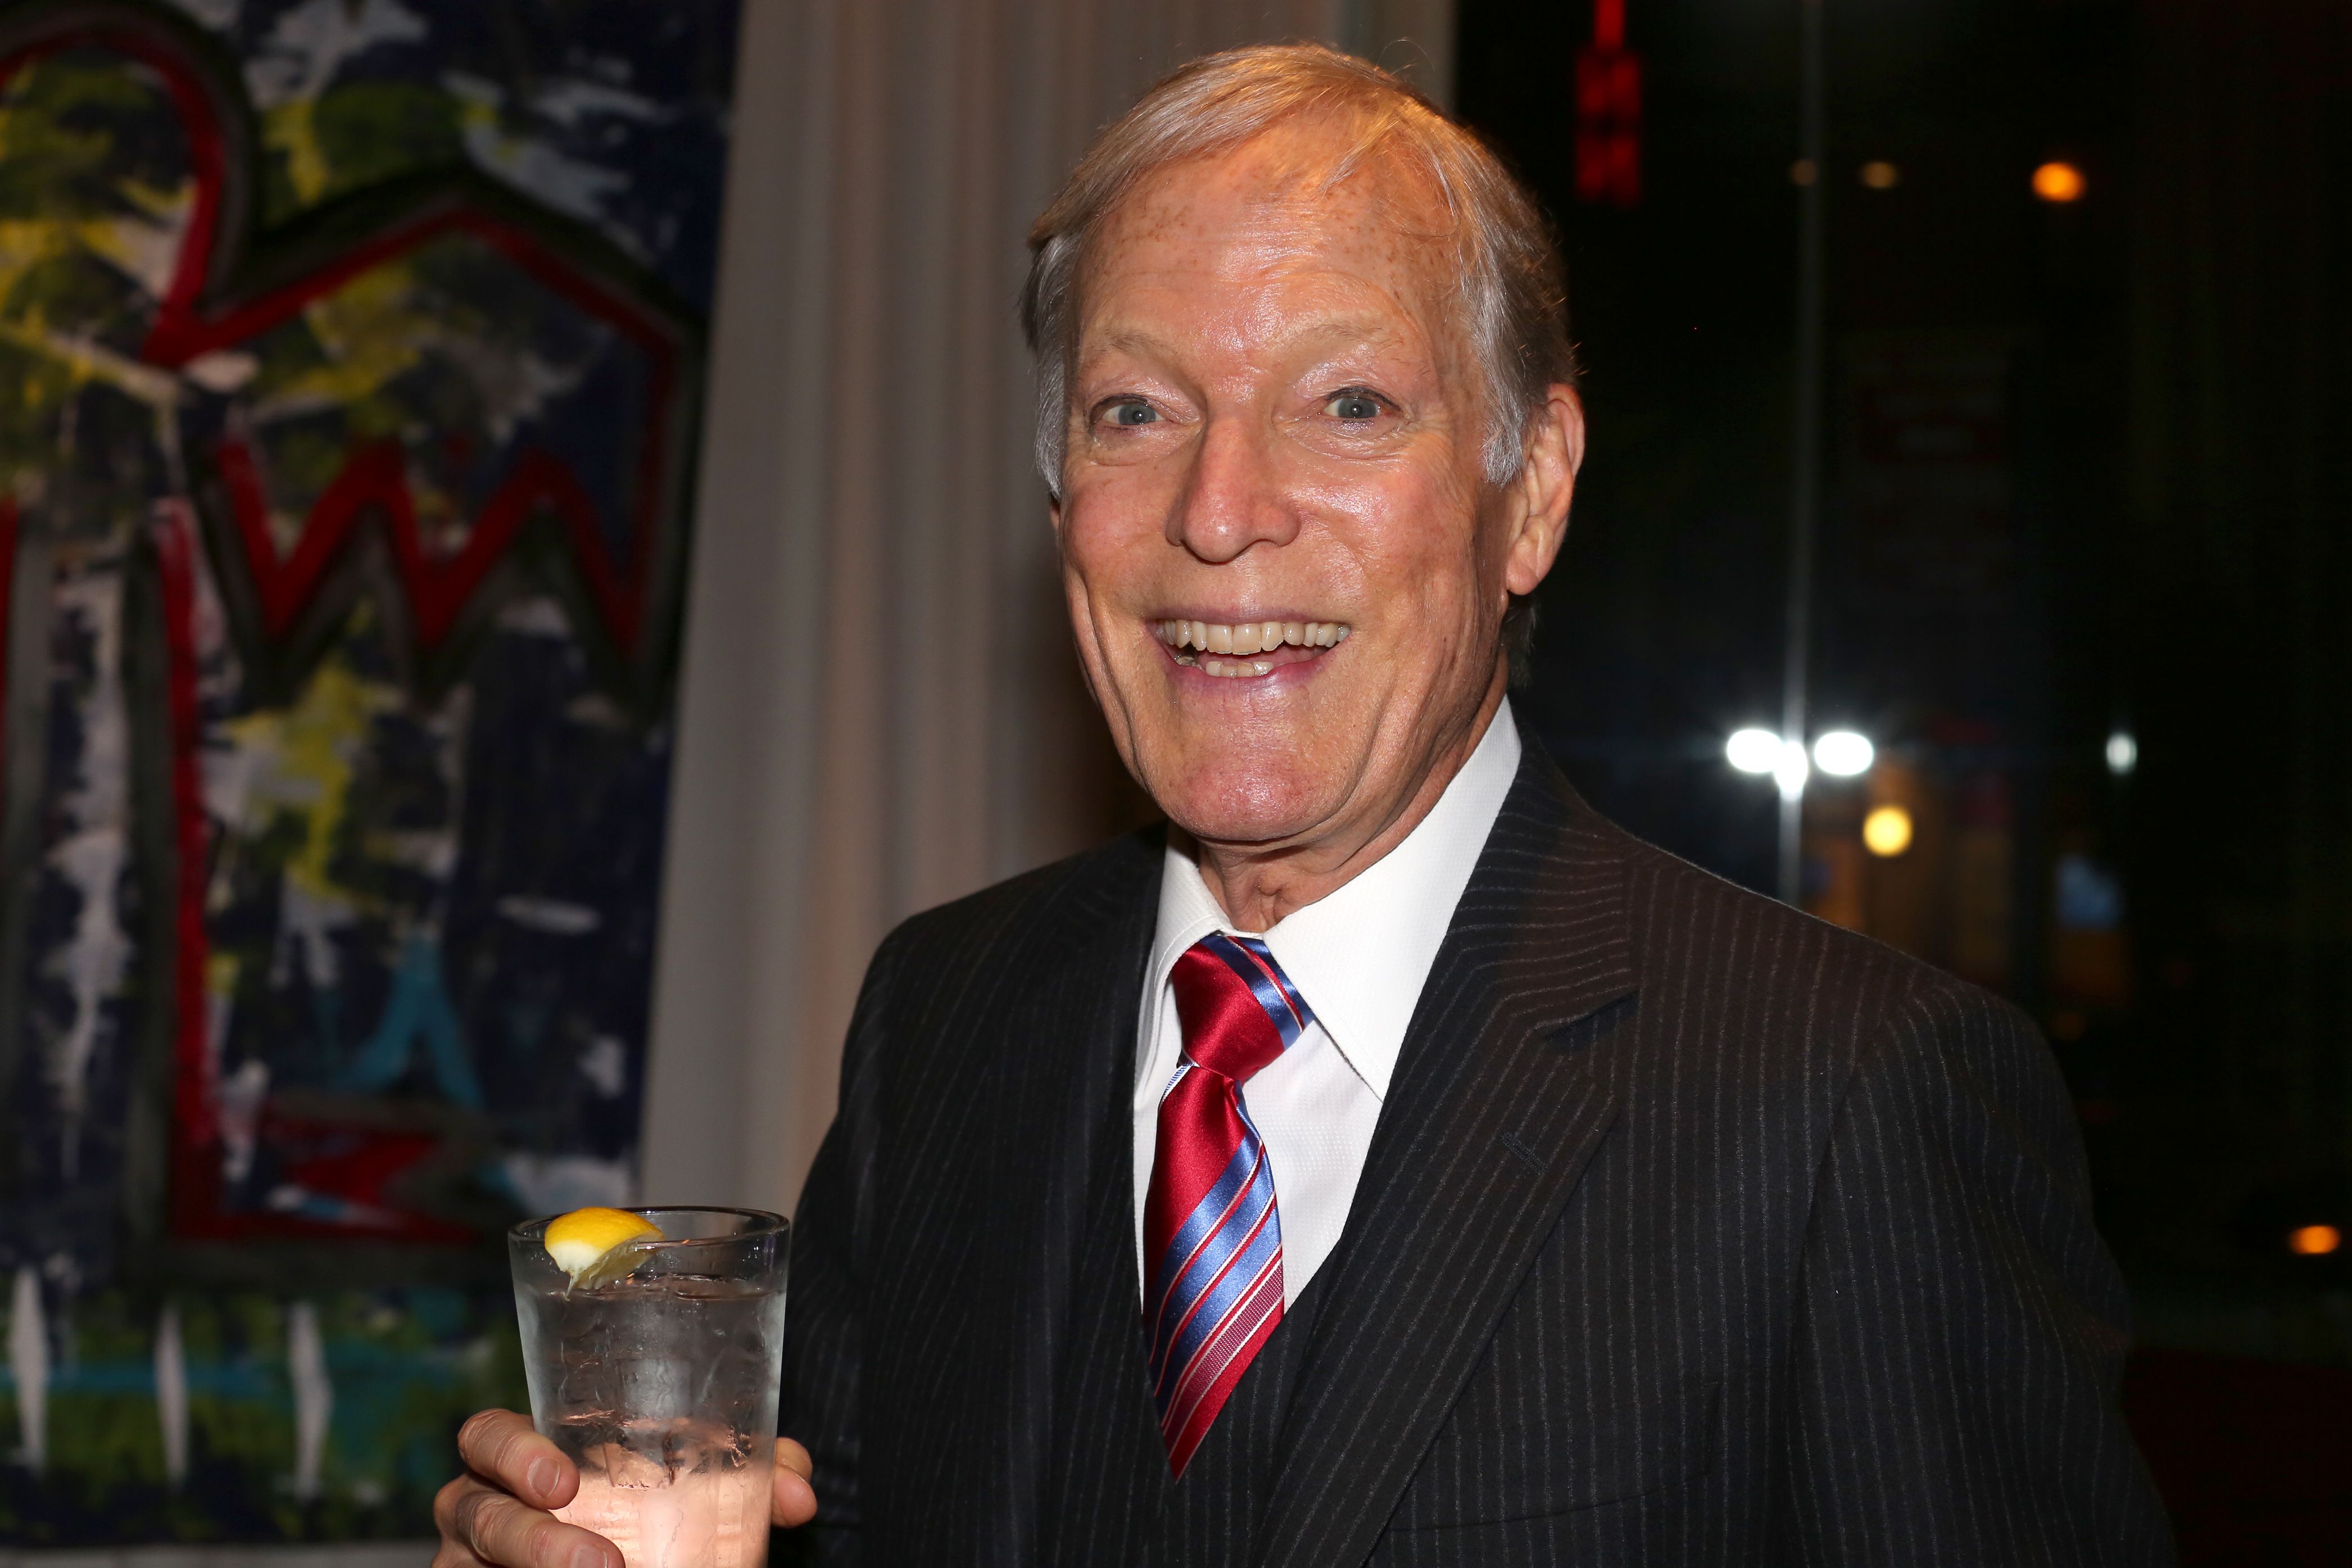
[1131, 414]
[1353, 406]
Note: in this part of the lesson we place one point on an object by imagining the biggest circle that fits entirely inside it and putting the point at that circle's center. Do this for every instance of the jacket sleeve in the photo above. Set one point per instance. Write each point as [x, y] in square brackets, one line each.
[1961, 1327]
[820, 1402]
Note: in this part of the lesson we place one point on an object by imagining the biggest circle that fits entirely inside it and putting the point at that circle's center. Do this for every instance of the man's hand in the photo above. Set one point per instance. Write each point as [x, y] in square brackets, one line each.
[498, 1511]
[791, 1499]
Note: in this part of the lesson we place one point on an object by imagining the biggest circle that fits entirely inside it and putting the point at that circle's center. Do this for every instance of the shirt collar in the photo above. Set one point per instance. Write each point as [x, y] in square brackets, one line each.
[1360, 955]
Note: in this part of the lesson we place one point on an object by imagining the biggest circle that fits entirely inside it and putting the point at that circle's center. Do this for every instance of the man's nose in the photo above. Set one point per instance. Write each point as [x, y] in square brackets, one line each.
[1232, 498]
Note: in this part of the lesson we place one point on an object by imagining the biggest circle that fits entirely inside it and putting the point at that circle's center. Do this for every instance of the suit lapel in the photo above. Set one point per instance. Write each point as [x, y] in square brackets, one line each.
[1083, 1043]
[1487, 1126]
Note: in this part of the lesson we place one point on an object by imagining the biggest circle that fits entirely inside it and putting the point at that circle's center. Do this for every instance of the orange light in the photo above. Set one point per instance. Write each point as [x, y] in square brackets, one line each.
[1886, 832]
[1881, 176]
[2057, 182]
[2315, 1240]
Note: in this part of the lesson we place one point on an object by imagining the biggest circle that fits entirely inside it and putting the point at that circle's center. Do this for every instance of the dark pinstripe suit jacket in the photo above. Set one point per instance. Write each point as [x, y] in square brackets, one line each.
[1694, 1231]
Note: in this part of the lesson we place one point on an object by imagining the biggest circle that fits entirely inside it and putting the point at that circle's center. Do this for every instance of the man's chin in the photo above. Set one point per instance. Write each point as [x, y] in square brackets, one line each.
[1246, 812]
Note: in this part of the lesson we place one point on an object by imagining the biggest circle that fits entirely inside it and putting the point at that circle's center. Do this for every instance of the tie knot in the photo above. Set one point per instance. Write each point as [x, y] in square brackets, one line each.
[1238, 1010]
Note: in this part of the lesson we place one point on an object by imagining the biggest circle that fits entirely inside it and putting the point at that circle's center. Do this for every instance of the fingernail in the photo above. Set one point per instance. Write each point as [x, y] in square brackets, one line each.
[590, 1557]
[541, 1477]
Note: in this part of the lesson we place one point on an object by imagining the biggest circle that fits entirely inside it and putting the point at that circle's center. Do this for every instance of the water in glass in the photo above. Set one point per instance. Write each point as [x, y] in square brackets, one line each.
[662, 1389]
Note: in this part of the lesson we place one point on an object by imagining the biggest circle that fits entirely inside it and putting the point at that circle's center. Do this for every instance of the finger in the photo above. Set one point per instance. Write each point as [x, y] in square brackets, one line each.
[444, 1519]
[499, 1530]
[506, 1451]
[793, 1500]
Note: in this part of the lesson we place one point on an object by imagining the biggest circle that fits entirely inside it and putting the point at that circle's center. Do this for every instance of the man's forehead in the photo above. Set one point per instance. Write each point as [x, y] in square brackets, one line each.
[1335, 331]
[1307, 177]
[1268, 210]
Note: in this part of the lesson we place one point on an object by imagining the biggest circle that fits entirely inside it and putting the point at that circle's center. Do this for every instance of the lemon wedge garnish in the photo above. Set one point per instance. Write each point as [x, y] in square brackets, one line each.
[597, 1246]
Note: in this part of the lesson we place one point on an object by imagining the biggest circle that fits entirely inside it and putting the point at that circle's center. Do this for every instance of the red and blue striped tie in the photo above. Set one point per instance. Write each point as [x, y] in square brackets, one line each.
[1210, 1228]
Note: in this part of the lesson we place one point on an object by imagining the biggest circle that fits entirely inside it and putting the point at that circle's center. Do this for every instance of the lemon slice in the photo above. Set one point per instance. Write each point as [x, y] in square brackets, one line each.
[598, 1245]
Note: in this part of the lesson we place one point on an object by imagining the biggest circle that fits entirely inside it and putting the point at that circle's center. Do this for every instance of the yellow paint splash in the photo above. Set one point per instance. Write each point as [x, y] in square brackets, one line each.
[292, 128]
[308, 751]
[371, 331]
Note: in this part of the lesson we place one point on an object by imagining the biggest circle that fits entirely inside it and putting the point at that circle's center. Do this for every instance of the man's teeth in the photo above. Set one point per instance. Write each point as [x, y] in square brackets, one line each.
[1249, 636]
[1198, 643]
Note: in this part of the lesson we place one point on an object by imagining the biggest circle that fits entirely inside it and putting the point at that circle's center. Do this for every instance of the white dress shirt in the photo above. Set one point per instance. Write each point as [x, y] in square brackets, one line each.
[1358, 957]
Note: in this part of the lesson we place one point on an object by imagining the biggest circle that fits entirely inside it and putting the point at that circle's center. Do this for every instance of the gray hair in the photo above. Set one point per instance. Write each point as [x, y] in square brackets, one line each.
[1514, 295]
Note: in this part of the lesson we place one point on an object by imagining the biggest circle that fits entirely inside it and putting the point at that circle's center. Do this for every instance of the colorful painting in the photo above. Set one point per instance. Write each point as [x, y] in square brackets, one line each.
[348, 352]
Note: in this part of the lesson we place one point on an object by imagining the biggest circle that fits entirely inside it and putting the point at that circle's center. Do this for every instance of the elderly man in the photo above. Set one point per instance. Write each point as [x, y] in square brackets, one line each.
[1389, 1161]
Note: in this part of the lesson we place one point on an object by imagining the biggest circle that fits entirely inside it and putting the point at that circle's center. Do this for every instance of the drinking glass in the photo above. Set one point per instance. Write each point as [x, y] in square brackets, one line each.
[661, 1386]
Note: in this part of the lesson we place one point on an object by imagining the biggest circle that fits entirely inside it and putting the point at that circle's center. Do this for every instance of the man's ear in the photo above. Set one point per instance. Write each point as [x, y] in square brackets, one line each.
[1546, 485]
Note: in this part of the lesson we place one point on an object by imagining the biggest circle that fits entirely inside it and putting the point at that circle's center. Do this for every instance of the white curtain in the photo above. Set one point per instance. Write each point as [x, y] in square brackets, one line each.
[879, 709]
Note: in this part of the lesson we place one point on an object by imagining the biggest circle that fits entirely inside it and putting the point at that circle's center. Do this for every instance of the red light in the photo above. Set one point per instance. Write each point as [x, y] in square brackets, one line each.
[1609, 90]
[1608, 112]
[1608, 24]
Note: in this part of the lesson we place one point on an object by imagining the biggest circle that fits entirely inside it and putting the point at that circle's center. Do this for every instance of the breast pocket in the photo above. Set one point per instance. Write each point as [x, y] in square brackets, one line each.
[1508, 1455]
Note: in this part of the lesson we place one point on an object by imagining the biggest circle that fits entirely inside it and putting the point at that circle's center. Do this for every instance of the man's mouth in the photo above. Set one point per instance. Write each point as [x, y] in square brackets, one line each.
[1244, 649]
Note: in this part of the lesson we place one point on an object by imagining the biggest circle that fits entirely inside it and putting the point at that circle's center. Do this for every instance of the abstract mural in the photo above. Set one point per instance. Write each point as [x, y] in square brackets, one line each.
[348, 358]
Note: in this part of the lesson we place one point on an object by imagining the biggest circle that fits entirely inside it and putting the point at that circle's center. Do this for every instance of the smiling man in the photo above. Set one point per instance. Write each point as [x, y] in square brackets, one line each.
[1390, 1160]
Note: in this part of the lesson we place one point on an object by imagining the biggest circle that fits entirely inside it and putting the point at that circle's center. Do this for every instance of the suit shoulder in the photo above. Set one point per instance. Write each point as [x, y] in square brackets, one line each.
[1691, 927]
[1811, 1004]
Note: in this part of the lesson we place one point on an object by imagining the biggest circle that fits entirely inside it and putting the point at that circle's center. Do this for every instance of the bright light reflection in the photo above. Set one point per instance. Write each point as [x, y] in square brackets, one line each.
[2058, 182]
[2315, 1240]
[1791, 770]
[1843, 754]
[1753, 751]
[1886, 832]
[2123, 753]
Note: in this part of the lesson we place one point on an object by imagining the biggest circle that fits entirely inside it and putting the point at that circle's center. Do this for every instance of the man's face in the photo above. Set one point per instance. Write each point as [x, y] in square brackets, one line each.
[1274, 448]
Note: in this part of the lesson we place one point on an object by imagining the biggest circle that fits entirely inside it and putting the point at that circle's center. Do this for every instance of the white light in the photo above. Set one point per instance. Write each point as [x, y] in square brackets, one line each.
[1843, 753]
[1789, 771]
[2123, 753]
[1753, 751]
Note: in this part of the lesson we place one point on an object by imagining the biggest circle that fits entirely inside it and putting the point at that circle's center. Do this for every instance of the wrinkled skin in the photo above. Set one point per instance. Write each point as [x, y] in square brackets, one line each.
[1274, 415]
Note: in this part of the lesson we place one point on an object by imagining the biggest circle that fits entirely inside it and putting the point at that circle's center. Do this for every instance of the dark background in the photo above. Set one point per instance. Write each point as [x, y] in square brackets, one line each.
[2084, 476]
